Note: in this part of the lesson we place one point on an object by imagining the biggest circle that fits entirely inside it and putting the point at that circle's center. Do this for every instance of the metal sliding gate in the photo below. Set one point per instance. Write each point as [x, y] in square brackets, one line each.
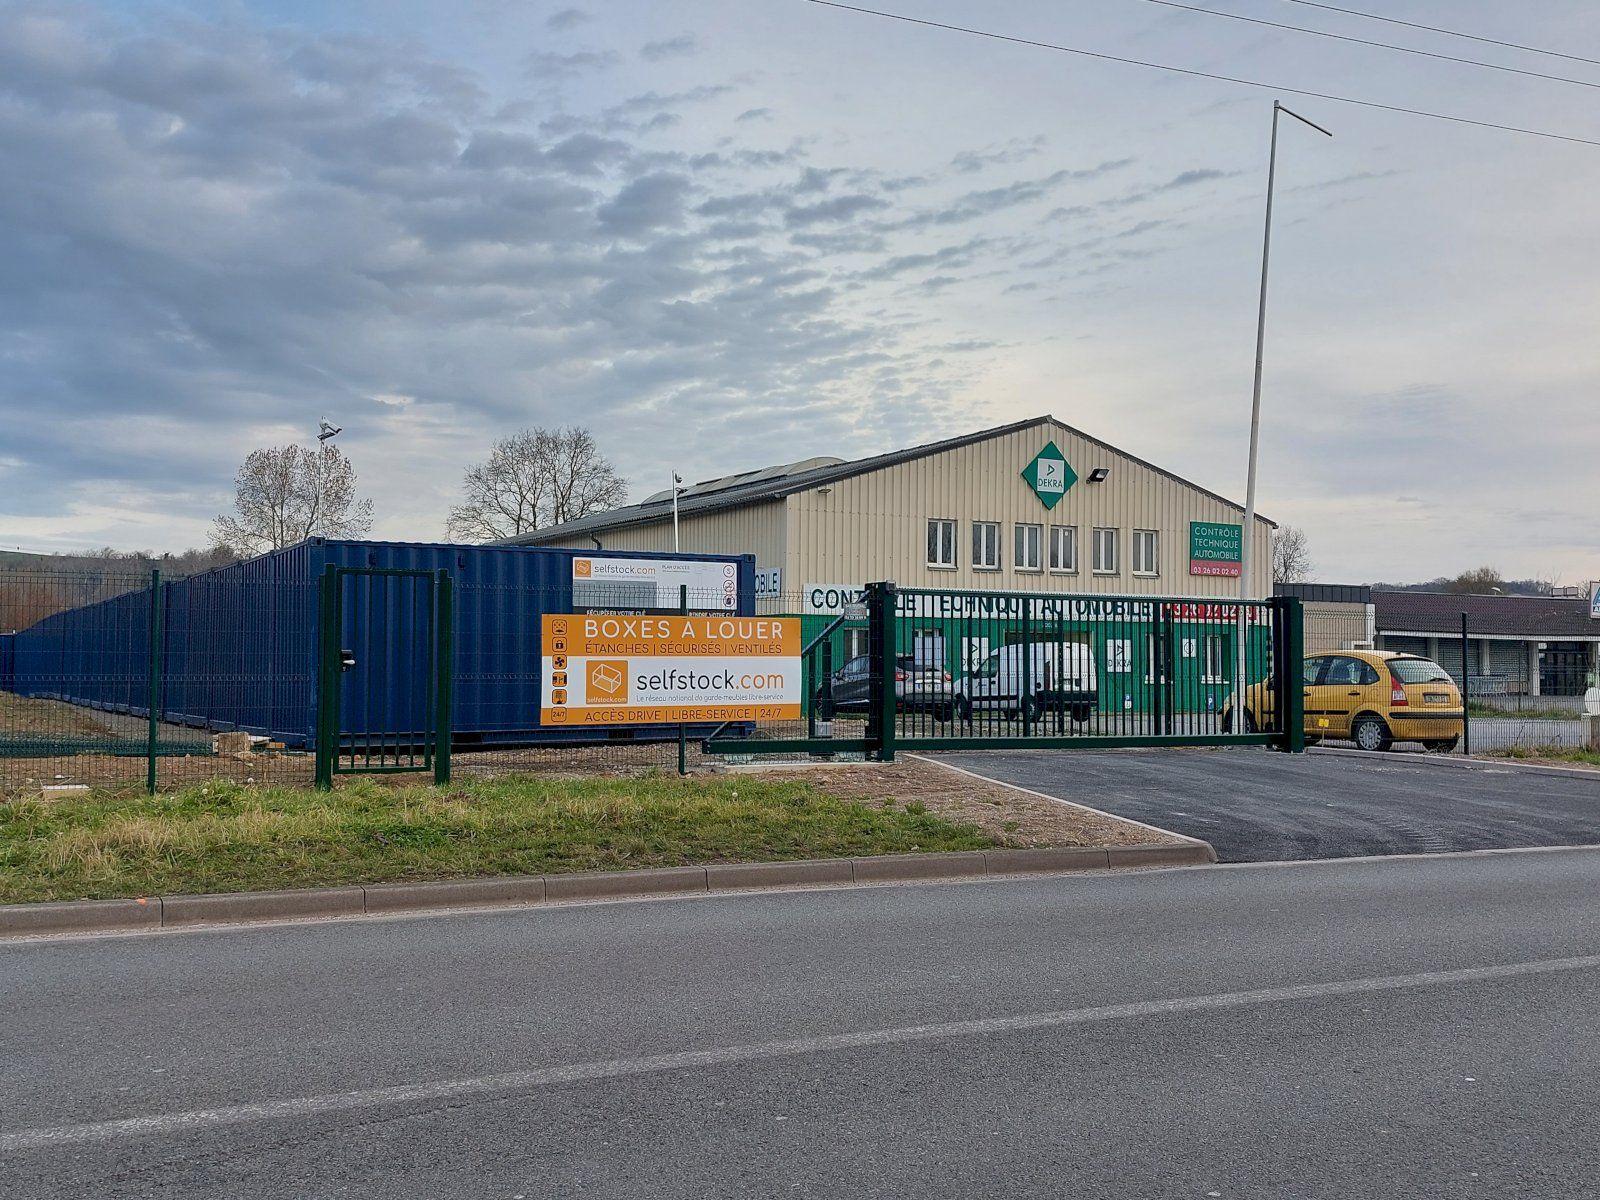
[948, 669]
[383, 672]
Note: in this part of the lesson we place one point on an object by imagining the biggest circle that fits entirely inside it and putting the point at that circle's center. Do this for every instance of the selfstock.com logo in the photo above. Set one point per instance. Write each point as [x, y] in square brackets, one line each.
[607, 680]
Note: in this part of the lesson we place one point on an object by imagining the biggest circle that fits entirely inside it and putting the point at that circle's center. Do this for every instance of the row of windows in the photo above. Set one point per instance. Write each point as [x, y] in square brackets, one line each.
[1030, 548]
[1213, 651]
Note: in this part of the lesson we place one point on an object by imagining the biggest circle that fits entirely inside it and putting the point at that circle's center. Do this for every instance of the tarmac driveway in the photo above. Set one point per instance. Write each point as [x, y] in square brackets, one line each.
[1261, 806]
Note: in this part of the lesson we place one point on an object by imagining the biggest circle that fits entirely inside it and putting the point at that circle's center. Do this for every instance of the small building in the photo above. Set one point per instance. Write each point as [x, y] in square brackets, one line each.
[1517, 646]
[1337, 616]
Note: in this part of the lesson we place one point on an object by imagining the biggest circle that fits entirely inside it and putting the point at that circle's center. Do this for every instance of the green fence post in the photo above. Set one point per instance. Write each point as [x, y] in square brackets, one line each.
[327, 675]
[1025, 692]
[444, 676]
[683, 729]
[154, 698]
[881, 638]
[1294, 700]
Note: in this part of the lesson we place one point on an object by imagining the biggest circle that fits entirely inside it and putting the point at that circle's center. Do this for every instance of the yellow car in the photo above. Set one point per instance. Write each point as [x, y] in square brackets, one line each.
[1372, 697]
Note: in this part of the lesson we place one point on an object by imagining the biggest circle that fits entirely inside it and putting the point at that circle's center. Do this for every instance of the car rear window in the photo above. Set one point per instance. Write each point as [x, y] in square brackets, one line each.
[1418, 670]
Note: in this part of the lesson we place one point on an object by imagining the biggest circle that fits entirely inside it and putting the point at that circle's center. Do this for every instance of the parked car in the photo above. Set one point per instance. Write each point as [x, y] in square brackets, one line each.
[1032, 678]
[918, 686]
[1372, 697]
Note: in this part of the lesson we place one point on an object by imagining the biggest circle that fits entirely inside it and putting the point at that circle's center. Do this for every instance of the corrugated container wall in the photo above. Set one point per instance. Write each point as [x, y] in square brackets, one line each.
[240, 643]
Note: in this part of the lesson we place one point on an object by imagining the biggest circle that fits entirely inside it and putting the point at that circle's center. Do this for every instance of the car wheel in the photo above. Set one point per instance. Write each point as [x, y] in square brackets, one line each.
[1441, 745]
[964, 710]
[1080, 713]
[1370, 733]
[1227, 722]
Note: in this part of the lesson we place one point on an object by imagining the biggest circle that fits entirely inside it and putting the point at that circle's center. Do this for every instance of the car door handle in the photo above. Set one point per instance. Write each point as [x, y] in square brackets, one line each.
[1352, 693]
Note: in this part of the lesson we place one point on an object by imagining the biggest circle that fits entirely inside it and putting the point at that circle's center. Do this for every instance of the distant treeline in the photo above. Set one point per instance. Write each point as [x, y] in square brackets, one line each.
[35, 586]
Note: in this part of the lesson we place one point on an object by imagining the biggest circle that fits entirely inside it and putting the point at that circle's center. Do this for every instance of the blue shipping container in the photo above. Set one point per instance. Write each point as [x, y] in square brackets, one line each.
[239, 645]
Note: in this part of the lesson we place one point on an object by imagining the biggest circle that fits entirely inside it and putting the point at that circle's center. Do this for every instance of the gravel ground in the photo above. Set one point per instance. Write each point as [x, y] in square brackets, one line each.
[1018, 818]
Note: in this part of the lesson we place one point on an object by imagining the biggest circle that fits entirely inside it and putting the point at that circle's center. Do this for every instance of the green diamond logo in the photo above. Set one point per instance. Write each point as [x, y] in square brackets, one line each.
[1049, 475]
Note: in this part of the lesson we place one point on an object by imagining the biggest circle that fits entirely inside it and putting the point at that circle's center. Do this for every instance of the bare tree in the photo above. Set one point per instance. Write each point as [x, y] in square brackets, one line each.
[1480, 581]
[533, 479]
[1291, 556]
[286, 494]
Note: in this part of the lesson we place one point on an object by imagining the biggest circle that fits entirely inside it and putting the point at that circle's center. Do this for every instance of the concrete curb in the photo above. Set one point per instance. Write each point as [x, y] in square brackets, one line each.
[237, 908]
[1458, 762]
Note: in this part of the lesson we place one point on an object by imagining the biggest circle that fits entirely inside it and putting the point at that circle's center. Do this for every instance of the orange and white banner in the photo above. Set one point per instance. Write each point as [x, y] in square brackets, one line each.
[602, 669]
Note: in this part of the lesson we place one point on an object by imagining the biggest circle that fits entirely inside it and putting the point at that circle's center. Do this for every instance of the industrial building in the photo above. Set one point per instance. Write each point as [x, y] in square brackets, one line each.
[1032, 506]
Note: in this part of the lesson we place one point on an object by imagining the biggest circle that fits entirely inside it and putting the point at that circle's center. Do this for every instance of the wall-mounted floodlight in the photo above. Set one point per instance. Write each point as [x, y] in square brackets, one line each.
[1098, 475]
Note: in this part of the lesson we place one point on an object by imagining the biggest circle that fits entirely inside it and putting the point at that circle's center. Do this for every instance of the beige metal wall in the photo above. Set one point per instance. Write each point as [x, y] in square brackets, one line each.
[874, 526]
[1334, 626]
[752, 529]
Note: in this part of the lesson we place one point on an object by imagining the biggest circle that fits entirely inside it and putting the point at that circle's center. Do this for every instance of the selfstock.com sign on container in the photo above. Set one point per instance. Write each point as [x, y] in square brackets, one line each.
[643, 669]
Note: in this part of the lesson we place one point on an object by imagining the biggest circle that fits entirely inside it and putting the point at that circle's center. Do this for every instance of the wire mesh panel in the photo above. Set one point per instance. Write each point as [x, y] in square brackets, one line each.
[117, 679]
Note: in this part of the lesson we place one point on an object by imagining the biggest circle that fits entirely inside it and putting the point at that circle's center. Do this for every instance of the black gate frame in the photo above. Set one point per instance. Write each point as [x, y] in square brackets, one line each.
[883, 738]
[435, 756]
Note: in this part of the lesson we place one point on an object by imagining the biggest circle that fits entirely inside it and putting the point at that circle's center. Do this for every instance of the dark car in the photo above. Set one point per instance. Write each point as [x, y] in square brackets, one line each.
[918, 687]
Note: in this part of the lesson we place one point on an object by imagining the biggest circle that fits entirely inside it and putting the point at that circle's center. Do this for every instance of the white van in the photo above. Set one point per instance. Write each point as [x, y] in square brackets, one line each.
[1059, 677]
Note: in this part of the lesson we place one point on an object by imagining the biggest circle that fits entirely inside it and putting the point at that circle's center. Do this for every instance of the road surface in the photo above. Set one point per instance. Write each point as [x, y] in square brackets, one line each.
[1259, 806]
[1415, 1027]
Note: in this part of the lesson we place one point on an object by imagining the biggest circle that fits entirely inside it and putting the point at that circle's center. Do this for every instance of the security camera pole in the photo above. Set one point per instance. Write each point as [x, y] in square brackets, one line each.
[1247, 534]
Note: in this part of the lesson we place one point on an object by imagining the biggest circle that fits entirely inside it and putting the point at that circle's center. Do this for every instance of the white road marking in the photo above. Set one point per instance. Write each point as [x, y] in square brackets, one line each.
[490, 1086]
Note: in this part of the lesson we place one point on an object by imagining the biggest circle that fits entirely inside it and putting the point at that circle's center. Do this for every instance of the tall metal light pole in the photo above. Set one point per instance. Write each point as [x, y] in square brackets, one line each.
[677, 487]
[1247, 534]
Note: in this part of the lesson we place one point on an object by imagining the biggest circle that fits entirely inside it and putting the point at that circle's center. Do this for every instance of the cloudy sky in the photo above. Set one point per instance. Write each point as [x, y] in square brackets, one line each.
[725, 233]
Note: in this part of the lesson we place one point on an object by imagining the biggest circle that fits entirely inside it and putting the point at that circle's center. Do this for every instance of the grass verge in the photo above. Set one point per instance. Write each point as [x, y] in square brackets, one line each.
[1558, 754]
[1532, 713]
[222, 837]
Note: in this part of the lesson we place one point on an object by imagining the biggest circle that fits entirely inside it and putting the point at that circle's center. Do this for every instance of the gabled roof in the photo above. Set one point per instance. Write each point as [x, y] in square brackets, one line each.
[774, 483]
[1541, 618]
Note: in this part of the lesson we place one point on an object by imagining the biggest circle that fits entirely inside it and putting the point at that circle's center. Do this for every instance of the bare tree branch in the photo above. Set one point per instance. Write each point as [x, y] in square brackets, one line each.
[1291, 556]
[533, 479]
[286, 494]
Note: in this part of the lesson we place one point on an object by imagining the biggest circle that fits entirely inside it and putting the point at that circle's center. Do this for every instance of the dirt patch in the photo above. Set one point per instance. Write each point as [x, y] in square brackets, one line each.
[1013, 817]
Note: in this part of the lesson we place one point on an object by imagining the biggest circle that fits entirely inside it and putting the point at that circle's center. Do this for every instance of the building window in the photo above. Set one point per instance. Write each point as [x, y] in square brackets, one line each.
[1064, 548]
[1215, 669]
[1153, 659]
[855, 643]
[1029, 548]
[1105, 551]
[1145, 558]
[986, 545]
[941, 543]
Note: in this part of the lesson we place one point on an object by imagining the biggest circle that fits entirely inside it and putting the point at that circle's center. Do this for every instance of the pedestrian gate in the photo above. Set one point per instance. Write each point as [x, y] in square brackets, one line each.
[383, 672]
[954, 670]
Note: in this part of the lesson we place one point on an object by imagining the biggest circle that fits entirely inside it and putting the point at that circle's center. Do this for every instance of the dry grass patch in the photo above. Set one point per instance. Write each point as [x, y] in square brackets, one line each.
[221, 836]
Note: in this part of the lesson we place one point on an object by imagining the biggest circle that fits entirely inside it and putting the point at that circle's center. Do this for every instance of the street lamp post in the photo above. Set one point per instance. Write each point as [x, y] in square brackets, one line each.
[677, 487]
[1247, 534]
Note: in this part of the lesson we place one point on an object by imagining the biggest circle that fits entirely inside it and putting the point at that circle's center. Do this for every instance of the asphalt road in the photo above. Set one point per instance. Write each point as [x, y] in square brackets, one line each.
[1409, 1027]
[1259, 806]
